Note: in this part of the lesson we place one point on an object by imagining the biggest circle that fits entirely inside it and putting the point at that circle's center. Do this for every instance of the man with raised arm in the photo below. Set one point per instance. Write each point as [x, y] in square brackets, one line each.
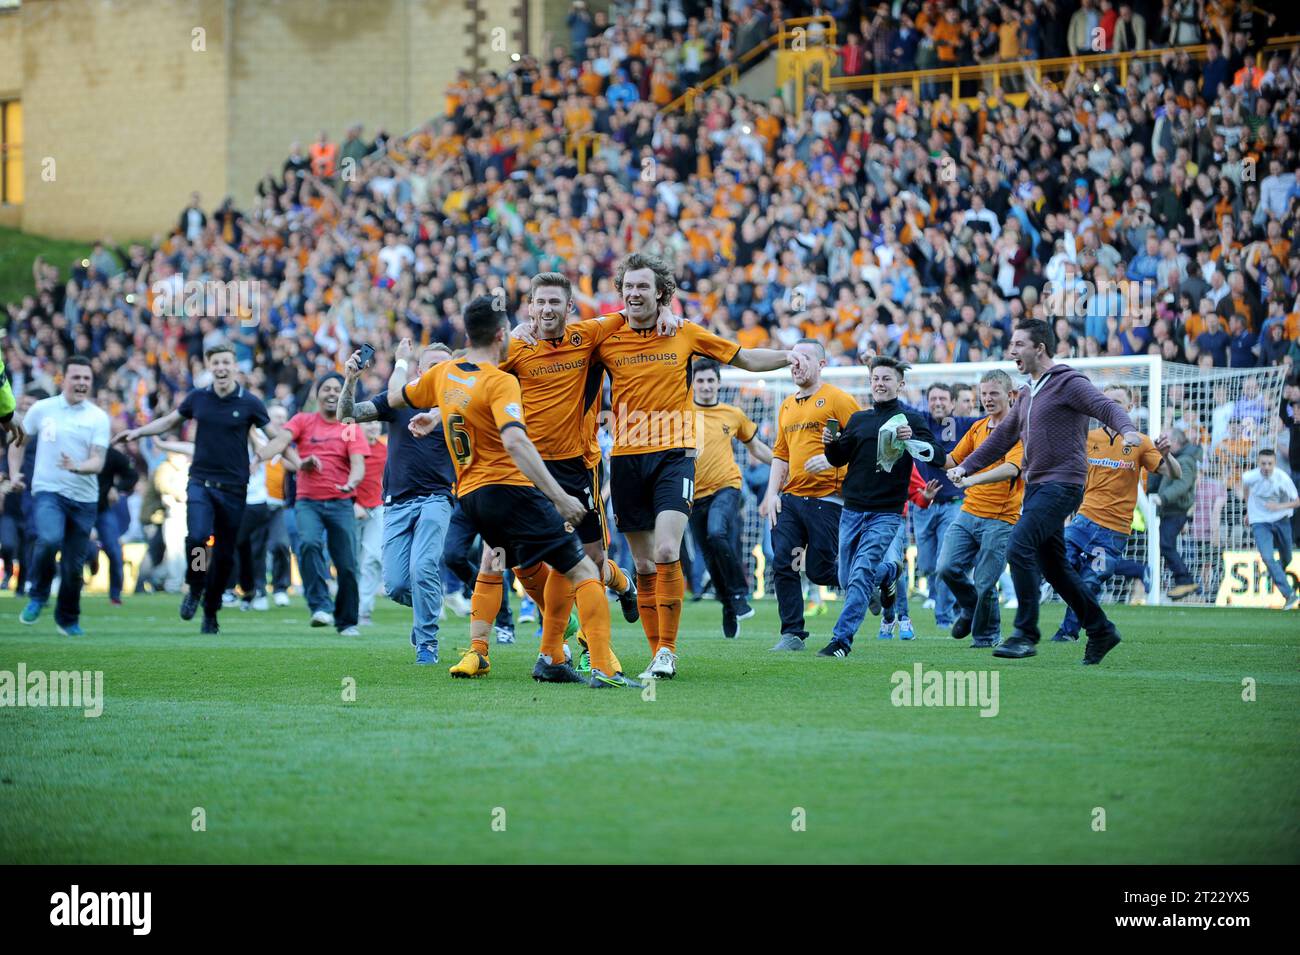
[1050, 419]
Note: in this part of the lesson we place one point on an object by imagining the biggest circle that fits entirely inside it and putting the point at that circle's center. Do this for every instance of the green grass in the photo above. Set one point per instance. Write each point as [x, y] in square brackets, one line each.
[18, 251]
[251, 727]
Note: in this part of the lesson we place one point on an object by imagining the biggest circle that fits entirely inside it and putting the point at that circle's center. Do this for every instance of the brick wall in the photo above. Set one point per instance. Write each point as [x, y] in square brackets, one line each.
[131, 114]
[135, 118]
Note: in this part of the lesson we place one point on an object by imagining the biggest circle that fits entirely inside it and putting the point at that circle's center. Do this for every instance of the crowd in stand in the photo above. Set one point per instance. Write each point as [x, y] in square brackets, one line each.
[917, 228]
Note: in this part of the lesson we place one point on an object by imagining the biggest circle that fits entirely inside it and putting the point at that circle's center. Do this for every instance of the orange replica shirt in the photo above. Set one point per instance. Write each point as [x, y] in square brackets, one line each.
[560, 384]
[478, 402]
[650, 376]
[275, 479]
[799, 424]
[715, 464]
[1110, 495]
[1000, 501]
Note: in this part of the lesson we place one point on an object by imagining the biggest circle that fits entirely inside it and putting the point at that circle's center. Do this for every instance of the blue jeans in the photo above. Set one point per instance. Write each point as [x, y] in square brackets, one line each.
[931, 524]
[62, 527]
[211, 512]
[1275, 536]
[1037, 550]
[414, 531]
[1094, 552]
[109, 532]
[895, 558]
[865, 537]
[971, 561]
[320, 522]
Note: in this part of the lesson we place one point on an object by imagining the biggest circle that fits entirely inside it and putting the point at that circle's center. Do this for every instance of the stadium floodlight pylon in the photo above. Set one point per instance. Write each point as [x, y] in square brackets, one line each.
[1233, 412]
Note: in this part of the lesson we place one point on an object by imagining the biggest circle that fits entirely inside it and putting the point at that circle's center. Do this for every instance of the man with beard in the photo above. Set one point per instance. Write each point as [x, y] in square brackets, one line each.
[506, 490]
[218, 482]
[652, 466]
[333, 457]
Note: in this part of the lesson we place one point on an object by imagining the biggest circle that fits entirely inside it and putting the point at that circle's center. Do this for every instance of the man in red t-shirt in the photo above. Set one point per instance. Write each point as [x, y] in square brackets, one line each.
[333, 458]
[369, 510]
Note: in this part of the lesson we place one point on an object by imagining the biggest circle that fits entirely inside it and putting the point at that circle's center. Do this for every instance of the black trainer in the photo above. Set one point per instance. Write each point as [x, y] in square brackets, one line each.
[189, 605]
[873, 602]
[1015, 648]
[961, 627]
[627, 600]
[1099, 645]
[209, 625]
[741, 607]
[544, 672]
[835, 649]
[729, 625]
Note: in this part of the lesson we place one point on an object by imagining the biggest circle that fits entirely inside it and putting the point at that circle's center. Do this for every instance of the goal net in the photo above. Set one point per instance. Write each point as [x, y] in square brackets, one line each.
[1230, 414]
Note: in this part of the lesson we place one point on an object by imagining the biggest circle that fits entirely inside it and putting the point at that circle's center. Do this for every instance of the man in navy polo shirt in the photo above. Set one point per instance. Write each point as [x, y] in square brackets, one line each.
[224, 412]
[418, 482]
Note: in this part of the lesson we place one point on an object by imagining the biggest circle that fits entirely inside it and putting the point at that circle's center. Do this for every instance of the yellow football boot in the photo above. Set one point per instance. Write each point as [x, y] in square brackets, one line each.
[471, 664]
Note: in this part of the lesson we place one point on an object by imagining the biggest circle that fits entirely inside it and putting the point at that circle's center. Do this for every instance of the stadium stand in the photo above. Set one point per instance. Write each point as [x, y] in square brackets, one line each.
[1128, 170]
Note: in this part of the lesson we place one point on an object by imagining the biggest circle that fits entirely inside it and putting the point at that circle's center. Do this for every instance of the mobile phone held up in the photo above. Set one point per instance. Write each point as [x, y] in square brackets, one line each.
[367, 355]
[833, 426]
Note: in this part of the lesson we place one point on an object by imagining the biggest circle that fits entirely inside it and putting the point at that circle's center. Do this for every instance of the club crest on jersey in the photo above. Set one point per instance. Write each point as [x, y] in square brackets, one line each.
[820, 402]
[514, 410]
[575, 339]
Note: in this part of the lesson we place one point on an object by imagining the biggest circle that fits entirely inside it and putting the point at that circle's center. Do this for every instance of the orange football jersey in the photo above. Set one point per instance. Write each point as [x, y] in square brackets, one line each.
[560, 383]
[1110, 495]
[478, 402]
[715, 463]
[799, 424]
[650, 378]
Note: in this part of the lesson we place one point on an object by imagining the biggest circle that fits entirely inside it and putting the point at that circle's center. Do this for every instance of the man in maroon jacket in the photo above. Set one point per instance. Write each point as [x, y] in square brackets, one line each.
[1051, 419]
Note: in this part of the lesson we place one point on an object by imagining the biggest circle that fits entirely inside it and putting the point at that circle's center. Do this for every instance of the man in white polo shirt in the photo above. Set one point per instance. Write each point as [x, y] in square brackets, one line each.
[1270, 498]
[74, 438]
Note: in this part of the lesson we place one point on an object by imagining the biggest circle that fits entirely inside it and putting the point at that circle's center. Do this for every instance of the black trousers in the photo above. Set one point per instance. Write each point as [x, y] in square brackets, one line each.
[250, 550]
[715, 525]
[463, 552]
[217, 513]
[281, 552]
[807, 538]
[1037, 550]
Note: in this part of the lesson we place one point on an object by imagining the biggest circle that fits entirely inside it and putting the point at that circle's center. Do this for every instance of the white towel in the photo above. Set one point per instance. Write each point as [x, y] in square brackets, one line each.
[889, 447]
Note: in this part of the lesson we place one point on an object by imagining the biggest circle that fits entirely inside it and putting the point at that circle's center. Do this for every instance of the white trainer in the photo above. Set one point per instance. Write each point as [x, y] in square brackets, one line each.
[457, 603]
[259, 602]
[281, 598]
[662, 667]
[322, 618]
[349, 632]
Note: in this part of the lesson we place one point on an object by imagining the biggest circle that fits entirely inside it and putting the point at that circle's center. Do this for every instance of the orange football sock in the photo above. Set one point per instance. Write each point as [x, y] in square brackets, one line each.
[533, 580]
[668, 600]
[555, 615]
[645, 602]
[483, 608]
[615, 579]
[593, 611]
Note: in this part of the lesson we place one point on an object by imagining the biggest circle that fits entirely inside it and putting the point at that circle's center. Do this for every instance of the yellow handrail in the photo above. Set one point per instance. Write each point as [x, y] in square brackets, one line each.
[996, 71]
[787, 30]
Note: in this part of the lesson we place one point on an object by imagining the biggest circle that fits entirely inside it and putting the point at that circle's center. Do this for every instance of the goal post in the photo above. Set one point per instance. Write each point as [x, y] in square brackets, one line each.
[1230, 413]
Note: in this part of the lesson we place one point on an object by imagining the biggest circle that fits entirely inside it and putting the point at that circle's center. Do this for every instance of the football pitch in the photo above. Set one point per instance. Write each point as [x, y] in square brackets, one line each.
[244, 747]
